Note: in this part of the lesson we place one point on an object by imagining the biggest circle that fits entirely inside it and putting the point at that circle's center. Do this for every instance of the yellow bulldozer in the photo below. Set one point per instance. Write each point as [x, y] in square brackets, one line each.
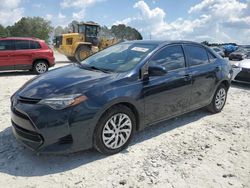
[83, 41]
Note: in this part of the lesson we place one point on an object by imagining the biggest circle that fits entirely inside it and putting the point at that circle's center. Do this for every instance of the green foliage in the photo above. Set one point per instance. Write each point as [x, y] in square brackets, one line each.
[72, 27]
[60, 30]
[205, 43]
[31, 27]
[105, 32]
[121, 32]
[3, 31]
[124, 32]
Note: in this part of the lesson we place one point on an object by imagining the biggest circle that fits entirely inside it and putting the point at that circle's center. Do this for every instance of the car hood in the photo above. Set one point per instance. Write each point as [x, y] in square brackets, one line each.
[244, 64]
[67, 80]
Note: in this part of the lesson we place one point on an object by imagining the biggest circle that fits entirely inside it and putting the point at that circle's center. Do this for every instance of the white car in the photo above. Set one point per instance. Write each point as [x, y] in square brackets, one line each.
[219, 51]
[241, 71]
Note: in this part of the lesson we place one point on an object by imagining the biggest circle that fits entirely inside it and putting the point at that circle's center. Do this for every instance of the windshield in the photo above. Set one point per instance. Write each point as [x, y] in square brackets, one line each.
[91, 31]
[119, 58]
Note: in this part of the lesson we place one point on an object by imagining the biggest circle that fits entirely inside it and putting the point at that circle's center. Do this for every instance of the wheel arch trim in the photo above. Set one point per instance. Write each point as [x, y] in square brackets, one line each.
[130, 103]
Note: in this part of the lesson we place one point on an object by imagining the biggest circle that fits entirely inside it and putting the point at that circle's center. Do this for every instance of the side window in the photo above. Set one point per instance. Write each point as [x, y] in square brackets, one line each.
[69, 41]
[6, 45]
[197, 55]
[34, 45]
[171, 57]
[22, 44]
[211, 57]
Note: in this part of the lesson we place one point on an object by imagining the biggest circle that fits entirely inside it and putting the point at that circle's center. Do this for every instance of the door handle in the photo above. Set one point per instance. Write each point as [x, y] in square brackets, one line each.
[187, 77]
[217, 69]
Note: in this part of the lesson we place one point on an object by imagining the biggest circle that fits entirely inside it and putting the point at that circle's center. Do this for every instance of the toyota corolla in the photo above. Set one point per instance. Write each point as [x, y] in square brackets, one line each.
[105, 99]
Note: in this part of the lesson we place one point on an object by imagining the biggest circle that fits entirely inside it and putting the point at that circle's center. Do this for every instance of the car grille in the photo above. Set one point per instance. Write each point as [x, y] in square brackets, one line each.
[20, 114]
[244, 75]
[28, 100]
[26, 134]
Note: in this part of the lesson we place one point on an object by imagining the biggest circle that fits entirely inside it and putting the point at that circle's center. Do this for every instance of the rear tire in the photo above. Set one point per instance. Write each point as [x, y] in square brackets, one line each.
[219, 99]
[82, 53]
[114, 130]
[40, 67]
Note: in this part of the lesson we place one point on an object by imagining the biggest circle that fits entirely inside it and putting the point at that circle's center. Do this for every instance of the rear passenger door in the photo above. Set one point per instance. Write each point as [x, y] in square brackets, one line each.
[22, 56]
[204, 72]
[6, 48]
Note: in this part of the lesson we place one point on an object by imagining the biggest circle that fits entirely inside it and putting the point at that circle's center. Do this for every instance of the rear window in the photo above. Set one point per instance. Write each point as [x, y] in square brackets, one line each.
[34, 45]
[197, 55]
[6, 45]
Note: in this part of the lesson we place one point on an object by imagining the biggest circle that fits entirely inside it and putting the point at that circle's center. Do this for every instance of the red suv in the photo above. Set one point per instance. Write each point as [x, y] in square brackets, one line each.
[25, 54]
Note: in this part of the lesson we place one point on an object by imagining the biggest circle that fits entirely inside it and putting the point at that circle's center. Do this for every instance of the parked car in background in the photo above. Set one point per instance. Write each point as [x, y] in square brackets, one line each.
[238, 55]
[229, 48]
[241, 71]
[102, 101]
[219, 51]
[25, 54]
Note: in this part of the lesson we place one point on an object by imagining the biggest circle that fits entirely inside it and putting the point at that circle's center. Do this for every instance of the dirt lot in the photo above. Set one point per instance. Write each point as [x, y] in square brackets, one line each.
[195, 150]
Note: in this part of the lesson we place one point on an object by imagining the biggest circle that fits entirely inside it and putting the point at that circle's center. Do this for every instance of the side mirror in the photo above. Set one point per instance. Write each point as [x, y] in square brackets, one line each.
[156, 70]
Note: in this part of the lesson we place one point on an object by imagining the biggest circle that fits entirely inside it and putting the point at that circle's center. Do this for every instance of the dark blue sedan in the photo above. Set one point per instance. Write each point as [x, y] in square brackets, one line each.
[105, 99]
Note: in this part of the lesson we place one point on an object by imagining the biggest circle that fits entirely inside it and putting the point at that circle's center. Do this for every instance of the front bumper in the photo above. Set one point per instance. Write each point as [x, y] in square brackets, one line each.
[52, 62]
[241, 75]
[45, 130]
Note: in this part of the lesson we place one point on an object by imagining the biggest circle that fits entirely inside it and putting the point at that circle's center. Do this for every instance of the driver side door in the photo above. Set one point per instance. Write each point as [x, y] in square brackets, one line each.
[168, 95]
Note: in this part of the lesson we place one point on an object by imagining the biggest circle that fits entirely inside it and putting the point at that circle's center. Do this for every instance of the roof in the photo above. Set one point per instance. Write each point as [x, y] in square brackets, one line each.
[161, 42]
[19, 38]
[89, 23]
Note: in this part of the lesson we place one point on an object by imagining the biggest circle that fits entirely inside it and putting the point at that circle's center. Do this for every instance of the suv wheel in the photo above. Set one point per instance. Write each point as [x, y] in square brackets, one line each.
[219, 99]
[114, 130]
[40, 67]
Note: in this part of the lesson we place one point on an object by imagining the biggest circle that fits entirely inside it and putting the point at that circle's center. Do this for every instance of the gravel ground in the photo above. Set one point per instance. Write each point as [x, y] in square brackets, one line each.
[194, 150]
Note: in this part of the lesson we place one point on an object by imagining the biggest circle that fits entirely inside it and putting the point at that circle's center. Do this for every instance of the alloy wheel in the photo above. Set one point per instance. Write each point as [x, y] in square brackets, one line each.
[117, 131]
[220, 98]
[41, 68]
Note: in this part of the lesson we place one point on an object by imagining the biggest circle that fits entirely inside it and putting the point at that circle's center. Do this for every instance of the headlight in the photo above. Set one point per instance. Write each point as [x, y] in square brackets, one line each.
[61, 102]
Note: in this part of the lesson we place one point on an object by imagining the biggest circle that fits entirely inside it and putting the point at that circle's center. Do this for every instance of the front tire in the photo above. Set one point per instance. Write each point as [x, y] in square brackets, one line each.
[72, 59]
[82, 53]
[219, 99]
[40, 67]
[114, 130]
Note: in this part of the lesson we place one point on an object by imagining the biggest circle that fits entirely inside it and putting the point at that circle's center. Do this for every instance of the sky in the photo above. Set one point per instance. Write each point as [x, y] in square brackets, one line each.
[197, 20]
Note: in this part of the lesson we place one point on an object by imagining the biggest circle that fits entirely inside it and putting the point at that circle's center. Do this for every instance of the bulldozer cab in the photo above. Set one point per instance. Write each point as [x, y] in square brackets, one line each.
[90, 31]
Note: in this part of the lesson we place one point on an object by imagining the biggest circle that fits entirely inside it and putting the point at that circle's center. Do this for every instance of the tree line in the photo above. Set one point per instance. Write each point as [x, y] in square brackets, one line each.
[120, 31]
[28, 27]
[40, 28]
[217, 44]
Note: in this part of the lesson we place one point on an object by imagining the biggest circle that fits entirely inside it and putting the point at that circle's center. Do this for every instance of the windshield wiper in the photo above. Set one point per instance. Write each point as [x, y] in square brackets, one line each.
[96, 68]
